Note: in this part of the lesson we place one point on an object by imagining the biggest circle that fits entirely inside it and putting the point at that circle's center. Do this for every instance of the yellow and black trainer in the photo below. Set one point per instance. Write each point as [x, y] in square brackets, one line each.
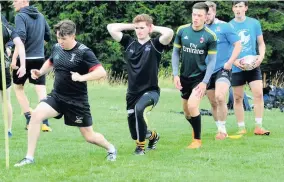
[153, 140]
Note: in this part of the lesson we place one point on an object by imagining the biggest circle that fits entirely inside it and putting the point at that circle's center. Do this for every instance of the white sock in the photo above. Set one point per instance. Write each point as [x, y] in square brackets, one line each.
[30, 157]
[10, 130]
[217, 123]
[111, 149]
[241, 124]
[258, 121]
[222, 126]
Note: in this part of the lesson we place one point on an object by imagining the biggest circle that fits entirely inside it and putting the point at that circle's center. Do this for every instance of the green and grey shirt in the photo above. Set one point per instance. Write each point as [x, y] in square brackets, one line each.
[194, 47]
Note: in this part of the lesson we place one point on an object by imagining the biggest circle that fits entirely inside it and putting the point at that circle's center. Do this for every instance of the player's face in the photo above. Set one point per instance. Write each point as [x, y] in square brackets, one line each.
[142, 30]
[198, 17]
[66, 42]
[17, 4]
[240, 10]
[210, 16]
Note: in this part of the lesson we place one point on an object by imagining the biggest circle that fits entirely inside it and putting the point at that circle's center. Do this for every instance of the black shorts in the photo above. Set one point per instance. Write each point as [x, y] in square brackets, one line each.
[132, 99]
[188, 84]
[75, 113]
[218, 76]
[241, 78]
[30, 64]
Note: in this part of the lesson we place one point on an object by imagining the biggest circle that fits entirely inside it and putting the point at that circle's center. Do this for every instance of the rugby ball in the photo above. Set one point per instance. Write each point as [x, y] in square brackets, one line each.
[248, 62]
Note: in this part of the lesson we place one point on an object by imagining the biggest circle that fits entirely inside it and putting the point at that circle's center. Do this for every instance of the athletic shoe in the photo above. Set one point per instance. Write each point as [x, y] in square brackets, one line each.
[111, 156]
[10, 134]
[261, 131]
[27, 127]
[221, 136]
[139, 151]
[45, 128]
[241, 131]
[152, 143]
[195, 144]
[23, 162]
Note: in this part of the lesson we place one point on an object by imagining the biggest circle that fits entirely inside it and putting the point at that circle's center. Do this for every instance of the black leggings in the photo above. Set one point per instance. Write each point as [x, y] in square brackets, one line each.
[136, 113]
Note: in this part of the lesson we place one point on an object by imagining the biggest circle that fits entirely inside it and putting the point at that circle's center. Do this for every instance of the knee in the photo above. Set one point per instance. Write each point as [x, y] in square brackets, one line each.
[192, 105]
[258, 96]
[213, 104]
[238, 99]
[37, 117]
[220, 99]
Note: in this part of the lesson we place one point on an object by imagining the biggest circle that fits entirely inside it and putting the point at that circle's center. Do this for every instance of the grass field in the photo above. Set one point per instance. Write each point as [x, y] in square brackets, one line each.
[62, 155]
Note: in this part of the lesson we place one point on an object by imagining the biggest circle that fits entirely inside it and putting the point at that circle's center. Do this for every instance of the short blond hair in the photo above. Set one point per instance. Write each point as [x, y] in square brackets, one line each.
[212, 5]
[143, 18]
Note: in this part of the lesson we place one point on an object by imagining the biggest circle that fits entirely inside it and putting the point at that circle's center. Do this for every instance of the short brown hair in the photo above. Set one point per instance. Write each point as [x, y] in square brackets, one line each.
[237, 2]
[65, 27]
[143, 18]
[211, 4]
[201, 5]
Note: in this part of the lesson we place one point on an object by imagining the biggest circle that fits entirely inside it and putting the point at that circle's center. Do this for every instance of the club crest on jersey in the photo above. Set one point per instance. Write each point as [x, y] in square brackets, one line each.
[72, 58]
[147, 48]
[201, 40]
[218, 29]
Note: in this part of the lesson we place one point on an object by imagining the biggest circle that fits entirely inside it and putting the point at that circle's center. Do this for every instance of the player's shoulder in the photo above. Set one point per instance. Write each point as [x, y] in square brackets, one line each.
[183, 27]
[210, 33]
[82, 47]
[252, 20]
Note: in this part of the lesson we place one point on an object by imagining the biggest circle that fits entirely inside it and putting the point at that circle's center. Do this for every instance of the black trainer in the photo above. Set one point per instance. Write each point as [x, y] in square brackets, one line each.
[152, 143]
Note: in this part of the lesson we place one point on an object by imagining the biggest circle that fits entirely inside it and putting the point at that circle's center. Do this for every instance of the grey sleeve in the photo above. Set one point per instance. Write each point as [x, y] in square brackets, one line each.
[20, 27]
[175, 60]
[210, 67]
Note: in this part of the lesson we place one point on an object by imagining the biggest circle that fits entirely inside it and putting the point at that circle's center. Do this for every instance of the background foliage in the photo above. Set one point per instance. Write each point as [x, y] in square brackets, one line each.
[92, 18]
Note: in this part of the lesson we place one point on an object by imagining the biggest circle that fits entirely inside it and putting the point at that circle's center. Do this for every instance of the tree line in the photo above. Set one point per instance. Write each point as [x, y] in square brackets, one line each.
[92, 17]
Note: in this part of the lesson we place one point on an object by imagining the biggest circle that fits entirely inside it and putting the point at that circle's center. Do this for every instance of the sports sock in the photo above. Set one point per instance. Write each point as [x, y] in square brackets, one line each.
[30, 157]
[153, 135]
[28, 117]
[222, 126]
[141, 144]
[241, 124]
[258, 122]
[196, 125]
[45, 122]
[111, 149]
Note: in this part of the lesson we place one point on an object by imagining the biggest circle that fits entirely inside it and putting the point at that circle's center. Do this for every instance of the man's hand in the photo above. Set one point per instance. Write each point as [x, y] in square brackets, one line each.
[21, 71]
[76, 77]
[200, 89]
[239, 65]
[258, 61]
[228, 66]
[8, 51]
[177, 82]
[35, 74]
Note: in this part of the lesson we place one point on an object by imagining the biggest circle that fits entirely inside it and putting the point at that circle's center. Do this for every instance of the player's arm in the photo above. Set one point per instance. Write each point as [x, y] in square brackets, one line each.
[175, 59]
[210, 67]
[22, 53]
[260, 43]
[166, 34]
[46, 67]
[97, 73]
[115, 29]
[261, 48]
[234, 56]
[94, 69]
